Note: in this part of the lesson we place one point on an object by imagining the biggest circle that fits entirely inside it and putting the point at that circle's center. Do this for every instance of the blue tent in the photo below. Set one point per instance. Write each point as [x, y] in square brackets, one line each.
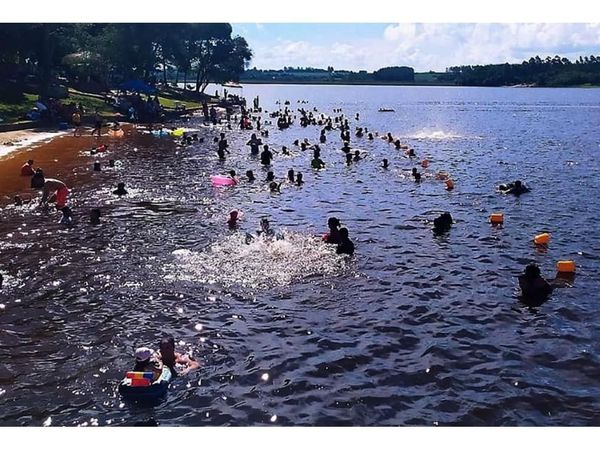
[137, 86]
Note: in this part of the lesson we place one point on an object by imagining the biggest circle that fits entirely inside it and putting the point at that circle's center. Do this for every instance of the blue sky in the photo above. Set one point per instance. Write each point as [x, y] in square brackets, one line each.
[432, 46]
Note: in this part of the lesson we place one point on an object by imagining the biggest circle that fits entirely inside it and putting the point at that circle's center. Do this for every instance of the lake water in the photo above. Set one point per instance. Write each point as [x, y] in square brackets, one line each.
[413, 330]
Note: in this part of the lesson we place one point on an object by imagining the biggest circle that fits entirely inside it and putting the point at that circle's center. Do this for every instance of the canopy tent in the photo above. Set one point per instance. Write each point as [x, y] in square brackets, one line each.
[137, 86]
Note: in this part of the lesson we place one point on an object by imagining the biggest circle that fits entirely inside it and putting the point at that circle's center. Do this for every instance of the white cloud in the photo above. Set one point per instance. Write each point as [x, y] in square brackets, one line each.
[434, 46]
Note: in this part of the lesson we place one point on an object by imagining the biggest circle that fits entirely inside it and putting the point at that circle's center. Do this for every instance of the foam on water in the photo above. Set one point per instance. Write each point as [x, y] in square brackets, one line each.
[437, 135]
[258, 264]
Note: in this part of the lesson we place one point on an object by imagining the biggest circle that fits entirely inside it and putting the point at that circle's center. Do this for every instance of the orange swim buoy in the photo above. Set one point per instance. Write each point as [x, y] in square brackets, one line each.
[567, 266]
[542, 239]
[449, 184]
[497, 218]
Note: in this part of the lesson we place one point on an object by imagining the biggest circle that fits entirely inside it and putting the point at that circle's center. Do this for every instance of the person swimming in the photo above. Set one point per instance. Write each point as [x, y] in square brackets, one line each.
[95, 216]
[232, 222]
[346, 246]
[285, 151]
[171, 359]
[385, 164]
[250, 176]
[254, 144]
[291, 175]
[348, 159]
[517, 188]
[322, 137]
[389, 137]
[270, 176]
[299, 179]
[411, 153]
[370, 136]
[67, 217]
[443, 223]
[120, 190]
[535, 290]
[333, 237]
[346, 148]
[266, 156]
[416, 175]
[38, 179]
[317, 163]
[357, 156]
[146, 361]
[274, 187]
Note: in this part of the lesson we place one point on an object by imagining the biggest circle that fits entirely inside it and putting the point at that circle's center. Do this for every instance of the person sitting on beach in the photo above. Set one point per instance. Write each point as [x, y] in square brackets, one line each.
[250, 176]
[291, 175]
[171, 359]
[443, 223]
[346, 246]
[299, 179]
[266, 156]
[517, 188]
[317, 163]
[59, 190]
[27, 169]
[385, 163]
[254, 144]
[146, 361]
[333, 237]
[120, 190]
[535, 290]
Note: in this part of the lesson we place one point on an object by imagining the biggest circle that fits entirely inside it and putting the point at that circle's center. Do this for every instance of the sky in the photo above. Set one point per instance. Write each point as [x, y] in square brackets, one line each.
[425, 46]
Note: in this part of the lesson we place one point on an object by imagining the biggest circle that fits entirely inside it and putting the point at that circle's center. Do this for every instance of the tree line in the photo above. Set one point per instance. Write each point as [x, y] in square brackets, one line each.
[551, 72]
[290, 74]
[107, 54]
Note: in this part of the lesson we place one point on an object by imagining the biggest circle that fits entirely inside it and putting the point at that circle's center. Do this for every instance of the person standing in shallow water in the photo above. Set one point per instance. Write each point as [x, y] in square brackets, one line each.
[346, 246]
[266, 156]
[171, 359]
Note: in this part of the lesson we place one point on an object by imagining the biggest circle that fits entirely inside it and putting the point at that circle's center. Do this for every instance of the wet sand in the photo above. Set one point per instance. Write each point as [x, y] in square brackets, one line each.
[61, 157]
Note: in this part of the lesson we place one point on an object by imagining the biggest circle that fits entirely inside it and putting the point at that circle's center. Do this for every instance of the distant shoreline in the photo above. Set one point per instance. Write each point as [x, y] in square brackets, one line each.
[373, 83]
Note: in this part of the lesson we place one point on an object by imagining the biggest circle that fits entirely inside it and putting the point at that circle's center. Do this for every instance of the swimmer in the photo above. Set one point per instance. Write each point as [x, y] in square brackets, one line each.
[357, 156]
[359, 132]
[95, 216]
[385, 163]
[18, 200]
[146, 361]
[389, 137]
[299, 179]
[270, 176]
[411, 153]
[254, 144]
[291, 175]
[322, 138]
[443, 223]
[232, 175]
[27, 169]
[398, 144]
[120, 190]
[232, 222]
[274, 187]
[265, 229]
[266, 156]
[171, 359]
[348, 159]
[517, 188]
[416, 174]
[67, 217]
[346, 148]
[346, 246]
[37, 180]
[317, 163]
[535, 290]
[285, 151]
[250, 176]
[333, 237]
[370, 136]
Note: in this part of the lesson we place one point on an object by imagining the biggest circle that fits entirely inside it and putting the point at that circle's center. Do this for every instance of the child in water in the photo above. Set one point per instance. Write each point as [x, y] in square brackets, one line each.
[535, 290]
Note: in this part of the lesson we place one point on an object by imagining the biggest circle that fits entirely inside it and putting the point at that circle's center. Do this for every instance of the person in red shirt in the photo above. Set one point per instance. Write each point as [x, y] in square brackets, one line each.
[27, 169]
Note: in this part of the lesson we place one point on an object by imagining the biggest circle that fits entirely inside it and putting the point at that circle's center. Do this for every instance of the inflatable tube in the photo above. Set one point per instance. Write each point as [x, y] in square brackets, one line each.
[220, 180]
[116, 133]
[130, 387]
[178, 132]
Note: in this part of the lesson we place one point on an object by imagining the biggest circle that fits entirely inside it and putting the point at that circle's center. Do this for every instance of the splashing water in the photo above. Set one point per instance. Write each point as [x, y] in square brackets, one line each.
[438, 135]
[257, 263]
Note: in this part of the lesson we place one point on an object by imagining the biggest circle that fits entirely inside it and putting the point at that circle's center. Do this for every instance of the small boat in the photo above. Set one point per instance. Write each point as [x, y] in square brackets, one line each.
[231, 84]
[387, 110]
